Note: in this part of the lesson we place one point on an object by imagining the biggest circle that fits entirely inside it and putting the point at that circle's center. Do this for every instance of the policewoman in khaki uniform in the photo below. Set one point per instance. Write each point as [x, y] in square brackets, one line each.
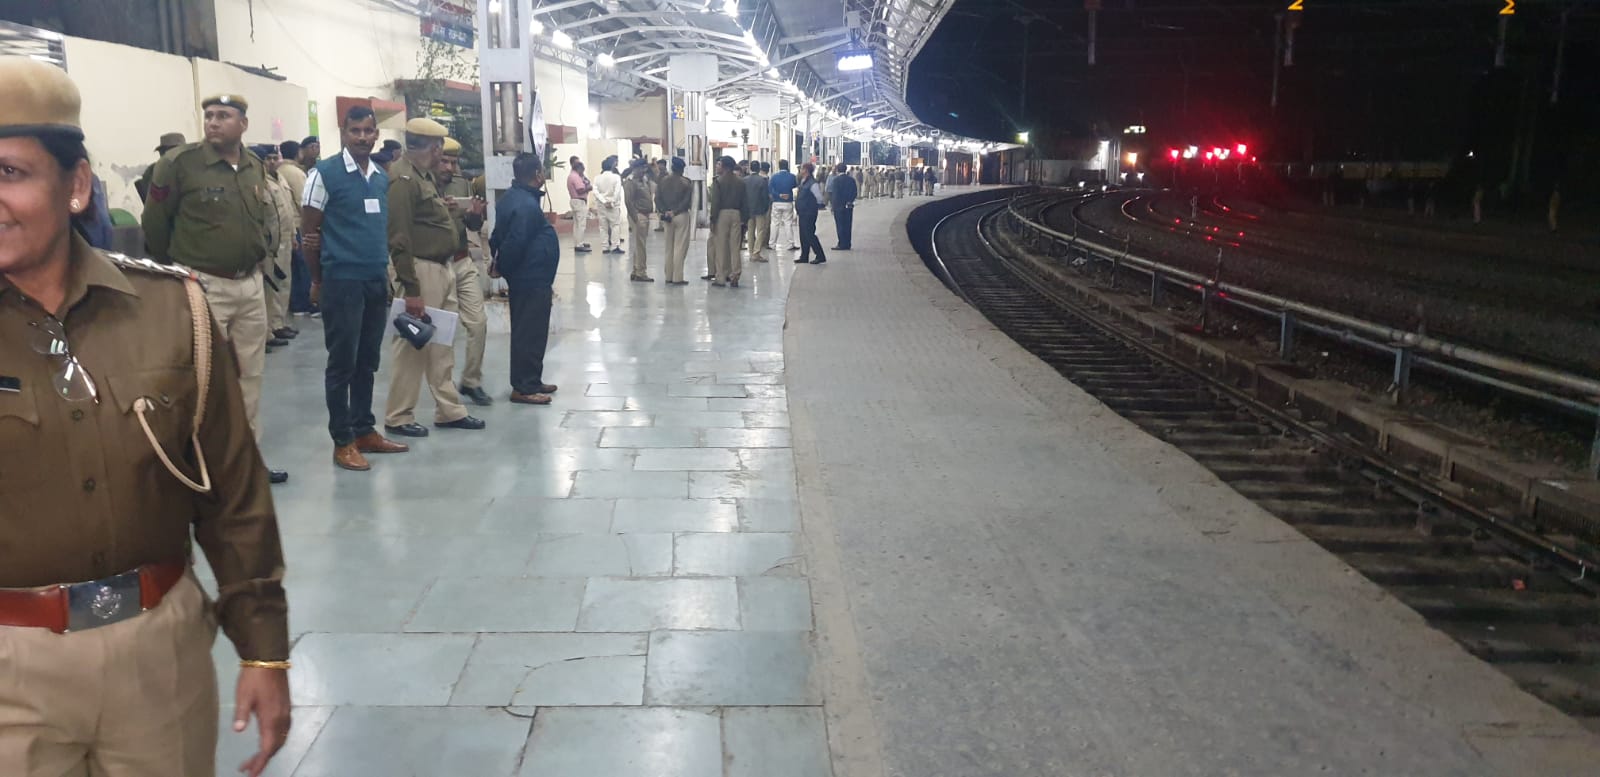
[210, 210]
[467, 213]
[123, 436]
[423, 242]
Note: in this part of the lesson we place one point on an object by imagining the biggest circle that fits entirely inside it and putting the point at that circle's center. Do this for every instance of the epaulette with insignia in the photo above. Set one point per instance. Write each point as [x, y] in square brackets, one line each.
[126, 262]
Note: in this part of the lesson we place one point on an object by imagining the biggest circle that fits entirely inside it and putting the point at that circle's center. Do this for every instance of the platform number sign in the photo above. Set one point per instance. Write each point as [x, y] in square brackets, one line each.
[1510, 9]
[1297, 5]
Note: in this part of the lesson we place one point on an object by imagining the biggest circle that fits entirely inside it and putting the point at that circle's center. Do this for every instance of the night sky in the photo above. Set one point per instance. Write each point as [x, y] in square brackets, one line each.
[1411, 79]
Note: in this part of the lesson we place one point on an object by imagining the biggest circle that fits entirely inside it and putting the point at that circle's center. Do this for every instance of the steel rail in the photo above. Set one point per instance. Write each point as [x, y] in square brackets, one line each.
[1583, 393]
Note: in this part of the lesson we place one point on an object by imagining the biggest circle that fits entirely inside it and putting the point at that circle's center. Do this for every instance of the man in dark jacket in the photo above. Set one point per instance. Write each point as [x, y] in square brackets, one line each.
[526, 253]
[842, 199]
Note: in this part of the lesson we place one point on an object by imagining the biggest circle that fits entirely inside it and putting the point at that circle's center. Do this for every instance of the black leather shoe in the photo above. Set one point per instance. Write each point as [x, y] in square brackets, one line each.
[802, 260]
[819, 261]
[276, 476]
[464, 422]
[477, 395]
[284, 334]
[408, 430]
[277, 342]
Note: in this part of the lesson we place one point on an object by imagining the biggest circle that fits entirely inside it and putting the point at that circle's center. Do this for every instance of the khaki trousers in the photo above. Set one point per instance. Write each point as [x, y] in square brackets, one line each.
[240, 308]
[435, 362]
[469, 295]
[760, 233]
[679, 231]
[580, 221]
[133, 699]
[278, 299]
[725, 236]
[638, 232]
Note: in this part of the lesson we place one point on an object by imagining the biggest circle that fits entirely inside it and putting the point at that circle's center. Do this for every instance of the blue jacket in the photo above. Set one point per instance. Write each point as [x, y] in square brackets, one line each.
[525, 246]
[841, 190]
[783, 182]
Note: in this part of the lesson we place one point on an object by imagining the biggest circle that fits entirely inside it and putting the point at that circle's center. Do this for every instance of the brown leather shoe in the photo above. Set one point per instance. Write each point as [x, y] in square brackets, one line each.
[372, 442]
[348, 457]
[530, 399]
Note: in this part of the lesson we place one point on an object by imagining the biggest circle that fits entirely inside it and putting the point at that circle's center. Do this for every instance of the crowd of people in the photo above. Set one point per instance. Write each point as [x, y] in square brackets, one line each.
[111, 481]
[752, 210]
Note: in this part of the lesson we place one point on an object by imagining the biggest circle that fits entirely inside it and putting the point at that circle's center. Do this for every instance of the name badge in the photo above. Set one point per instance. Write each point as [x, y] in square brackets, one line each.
[373, 206]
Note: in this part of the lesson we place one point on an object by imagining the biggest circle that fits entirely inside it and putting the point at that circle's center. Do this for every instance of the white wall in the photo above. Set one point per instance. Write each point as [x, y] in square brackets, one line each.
[334, 48]
[131, 97]
[277, 108]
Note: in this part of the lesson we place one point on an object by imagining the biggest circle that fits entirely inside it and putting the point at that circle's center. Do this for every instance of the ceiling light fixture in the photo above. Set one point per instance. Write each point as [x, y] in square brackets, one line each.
[605, 60]
[561, 39]
[852, 61]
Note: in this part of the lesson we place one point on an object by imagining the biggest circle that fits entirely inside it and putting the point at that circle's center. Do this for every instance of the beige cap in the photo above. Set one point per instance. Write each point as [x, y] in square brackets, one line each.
[427, 128]
[230, 100]
[36, 97]
[452, 147]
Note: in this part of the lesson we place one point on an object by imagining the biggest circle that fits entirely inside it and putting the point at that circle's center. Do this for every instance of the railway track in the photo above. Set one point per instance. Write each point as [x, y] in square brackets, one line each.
[1499, 599]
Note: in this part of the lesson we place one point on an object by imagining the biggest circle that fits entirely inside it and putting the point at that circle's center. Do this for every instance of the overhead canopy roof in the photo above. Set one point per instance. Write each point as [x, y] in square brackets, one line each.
[763, 46]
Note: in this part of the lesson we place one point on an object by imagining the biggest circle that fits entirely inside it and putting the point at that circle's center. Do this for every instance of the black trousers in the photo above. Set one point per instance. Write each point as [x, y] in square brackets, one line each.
[355, 315]
[808, 237]
[844, 217]
[530, 334]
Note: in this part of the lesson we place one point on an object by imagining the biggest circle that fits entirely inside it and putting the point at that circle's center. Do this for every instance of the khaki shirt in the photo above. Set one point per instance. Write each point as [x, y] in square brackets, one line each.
[420, 226]
[675, 194]
[280, 235]
[205, 214]
[295, 179]
[637, 193]
[82, 493]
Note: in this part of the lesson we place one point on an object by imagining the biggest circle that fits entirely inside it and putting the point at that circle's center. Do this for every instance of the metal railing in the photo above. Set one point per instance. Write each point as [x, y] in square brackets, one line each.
[1408, 349]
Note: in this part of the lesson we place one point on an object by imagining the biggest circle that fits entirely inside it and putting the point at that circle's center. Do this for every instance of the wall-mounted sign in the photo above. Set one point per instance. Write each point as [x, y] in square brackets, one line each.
[449, 23]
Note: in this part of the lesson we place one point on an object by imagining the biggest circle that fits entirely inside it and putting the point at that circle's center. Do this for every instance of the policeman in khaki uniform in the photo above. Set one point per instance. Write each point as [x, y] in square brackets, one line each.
[123, 436]
[423, 243]
[210, 210]
[467, 213]
[169, 141]
[280, 247]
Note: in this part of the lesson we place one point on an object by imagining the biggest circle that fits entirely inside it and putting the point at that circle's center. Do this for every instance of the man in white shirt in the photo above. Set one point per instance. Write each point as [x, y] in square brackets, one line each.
[607, 199]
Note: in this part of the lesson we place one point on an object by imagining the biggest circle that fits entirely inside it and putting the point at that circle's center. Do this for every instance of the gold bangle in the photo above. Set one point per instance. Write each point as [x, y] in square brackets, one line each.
[264, 664]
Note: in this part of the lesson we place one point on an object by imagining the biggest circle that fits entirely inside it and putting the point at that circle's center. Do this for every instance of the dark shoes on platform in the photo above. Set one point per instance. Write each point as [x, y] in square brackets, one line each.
[477, 395]
[641, 279]
[819, 261]
[408, 430]
[286, 333]
[277, 476]
[464, 422]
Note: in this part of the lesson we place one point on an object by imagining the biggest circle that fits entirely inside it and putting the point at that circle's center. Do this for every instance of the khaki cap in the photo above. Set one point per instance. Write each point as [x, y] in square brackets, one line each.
[36, 98]
[230, 100]
[480, 187]
[452, 147]
[171, 140]
[427, 128]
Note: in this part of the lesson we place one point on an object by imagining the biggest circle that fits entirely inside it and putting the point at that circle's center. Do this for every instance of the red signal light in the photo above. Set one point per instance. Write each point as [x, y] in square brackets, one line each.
[1172, 152]
[1208, 156]
[1243, 148]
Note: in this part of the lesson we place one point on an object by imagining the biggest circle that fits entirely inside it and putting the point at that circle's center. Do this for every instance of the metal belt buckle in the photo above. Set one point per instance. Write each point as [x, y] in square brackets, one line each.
[103, 602]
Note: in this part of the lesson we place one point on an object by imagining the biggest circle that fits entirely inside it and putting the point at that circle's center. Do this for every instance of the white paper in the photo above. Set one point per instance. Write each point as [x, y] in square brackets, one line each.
[444, 322]
[372, 205]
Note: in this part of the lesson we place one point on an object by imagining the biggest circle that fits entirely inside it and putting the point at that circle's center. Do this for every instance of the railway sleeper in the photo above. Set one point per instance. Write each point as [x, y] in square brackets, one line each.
[1244, 429]
[1162, 403]
[1377, 539]
[1301, 513]
[1269, 455]
[1465, 572]
[1567, 687]
[1543, 643]
[1444, 603]
[1273, 471]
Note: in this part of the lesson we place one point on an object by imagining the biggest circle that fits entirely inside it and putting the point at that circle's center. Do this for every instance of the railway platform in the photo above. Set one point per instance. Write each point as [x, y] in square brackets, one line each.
[831, 524]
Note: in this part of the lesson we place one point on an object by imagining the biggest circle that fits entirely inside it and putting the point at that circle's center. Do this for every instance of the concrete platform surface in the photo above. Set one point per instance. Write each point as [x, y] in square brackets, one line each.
[609, 586]
[1011, 580]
